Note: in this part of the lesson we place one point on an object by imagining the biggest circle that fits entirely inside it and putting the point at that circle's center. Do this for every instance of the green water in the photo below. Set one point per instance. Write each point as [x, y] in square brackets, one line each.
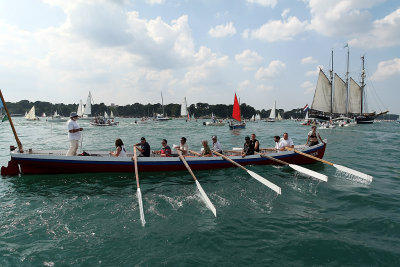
[93, 219]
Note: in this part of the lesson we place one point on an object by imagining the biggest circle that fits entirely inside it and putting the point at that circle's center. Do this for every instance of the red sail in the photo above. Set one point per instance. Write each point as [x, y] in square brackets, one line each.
[236, 109]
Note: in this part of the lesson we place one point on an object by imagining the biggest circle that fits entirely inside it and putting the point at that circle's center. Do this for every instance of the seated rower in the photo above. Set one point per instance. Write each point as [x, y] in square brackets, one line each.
[165, 150]
[144, 148]
[206, 149]
[255, 142]
[312, 138]
[183, 146]
[216, 146]
[286, 142]
[277, 140]
[120, 150]
[248, 147]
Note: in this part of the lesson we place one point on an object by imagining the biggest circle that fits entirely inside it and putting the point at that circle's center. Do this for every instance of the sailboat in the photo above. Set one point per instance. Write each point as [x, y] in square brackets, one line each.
[31, 116]
[87, 112]
[213, 121]
[80, 109]
[162, 117]
[56, 118]
[112, 115]
[236, 116]
[337, 98]
[279, 117]
[272, 115]
[184, 110]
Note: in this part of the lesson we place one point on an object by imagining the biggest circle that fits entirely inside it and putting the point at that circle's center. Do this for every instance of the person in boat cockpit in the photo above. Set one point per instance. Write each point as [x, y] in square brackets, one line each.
[216, 146]
[206, 149]
[165, 150]
[248, 147]
[183, 146]
[74, 134]
[286, 141]
[255, 142]
[120, 150]
[313, 136]
[144, 148]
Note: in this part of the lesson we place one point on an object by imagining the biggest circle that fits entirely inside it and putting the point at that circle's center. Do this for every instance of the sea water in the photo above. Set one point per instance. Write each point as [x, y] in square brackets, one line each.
[94, 219]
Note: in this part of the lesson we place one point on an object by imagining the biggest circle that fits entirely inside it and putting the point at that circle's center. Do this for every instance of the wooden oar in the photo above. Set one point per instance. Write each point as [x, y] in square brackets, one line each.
[139, 194]
[339, 167]
[259, 178]
[205, 197]
[194, 152]
[298, 168]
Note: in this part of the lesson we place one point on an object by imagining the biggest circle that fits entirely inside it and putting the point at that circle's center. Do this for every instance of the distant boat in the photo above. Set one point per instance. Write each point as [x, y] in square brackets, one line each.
[279, 118]
[184, 110]
[214, 121]
[112, 115]
[236, 116]
[258, 117]
[162, 117]
[334, 97]
[44, 115]
[31, 116]
[80, 109]
[106, 115]
[272, 115]
[87, 112]
[56, 118]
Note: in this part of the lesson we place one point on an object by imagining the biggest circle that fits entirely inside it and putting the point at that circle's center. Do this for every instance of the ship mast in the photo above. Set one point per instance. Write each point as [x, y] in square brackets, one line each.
[362, 84]
[347, 80]
[331, 76]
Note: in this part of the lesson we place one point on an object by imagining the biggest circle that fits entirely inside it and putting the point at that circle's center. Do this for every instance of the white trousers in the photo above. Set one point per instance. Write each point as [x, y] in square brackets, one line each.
[73, 148]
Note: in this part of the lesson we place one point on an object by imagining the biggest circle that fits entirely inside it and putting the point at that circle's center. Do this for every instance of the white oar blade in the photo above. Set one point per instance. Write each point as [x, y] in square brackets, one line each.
[354, 172]
[308, 172]
[264, 181]
[206, 199]
[139, 196]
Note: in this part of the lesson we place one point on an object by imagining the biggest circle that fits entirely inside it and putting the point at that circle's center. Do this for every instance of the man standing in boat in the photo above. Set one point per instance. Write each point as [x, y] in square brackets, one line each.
[74, 134]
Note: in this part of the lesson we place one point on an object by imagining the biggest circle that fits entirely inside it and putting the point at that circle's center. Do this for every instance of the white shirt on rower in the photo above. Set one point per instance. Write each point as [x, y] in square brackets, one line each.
[217, 147]
[286, 143]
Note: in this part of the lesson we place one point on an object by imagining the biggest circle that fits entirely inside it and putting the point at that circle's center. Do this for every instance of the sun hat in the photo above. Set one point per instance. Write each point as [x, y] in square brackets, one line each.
[73, 114]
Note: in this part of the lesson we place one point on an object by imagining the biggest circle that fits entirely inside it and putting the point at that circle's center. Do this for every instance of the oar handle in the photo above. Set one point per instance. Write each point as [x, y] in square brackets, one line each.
[310, 156]
[136, 167]
[230, 160]
[274, 159]
[194, 152]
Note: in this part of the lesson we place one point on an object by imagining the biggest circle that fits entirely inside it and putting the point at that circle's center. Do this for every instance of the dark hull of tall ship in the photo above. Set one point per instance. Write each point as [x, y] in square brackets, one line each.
[365, 119]
[319, 115]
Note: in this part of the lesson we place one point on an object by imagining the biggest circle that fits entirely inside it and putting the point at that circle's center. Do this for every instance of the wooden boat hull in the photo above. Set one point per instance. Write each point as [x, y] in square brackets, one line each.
[46, 162]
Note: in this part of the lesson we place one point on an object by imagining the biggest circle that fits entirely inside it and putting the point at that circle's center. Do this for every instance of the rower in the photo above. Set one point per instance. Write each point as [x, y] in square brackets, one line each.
[216, 146]
[286, 142]
[144, 148]
[248, 147]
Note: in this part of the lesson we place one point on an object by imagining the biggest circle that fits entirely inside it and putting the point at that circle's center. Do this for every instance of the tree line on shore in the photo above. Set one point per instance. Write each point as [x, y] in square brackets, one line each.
[138, 110]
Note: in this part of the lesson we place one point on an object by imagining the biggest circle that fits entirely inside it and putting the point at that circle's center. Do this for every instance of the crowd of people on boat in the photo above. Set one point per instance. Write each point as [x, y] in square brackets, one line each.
[251, 145]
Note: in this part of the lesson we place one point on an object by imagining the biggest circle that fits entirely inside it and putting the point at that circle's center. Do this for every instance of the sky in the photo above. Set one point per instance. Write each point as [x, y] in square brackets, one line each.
[128, 51]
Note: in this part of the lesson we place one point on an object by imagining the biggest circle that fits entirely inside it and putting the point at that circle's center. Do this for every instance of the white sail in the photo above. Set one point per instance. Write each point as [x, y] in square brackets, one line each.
[279, 118]
[258, 117]
[184, 107]
[322, 97]
[106, 115]
[339, 96]
[43, 114]
[354, 97]
[55, 114]
[272, 115]
[306, 117]
[31, 114]
[112, 115]
[88, 106]
[80, 109]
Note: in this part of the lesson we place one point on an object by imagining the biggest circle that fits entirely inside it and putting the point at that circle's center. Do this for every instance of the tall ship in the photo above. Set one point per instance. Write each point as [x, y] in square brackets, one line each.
[335, 97]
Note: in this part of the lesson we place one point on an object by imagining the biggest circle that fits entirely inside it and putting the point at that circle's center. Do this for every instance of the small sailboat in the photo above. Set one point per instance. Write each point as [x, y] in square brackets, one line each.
[184, 110]
[80, 109]
[56, 118]
[236, 116]
[112, 115]
[272, 115]
[214, 121]
[162, 117]
[31, 116]
[279, 117]
[87, 112]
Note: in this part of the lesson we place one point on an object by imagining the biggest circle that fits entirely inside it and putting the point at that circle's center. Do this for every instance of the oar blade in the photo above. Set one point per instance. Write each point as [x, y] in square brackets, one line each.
[206, 199]
[354, 172]
[264, 181]
[309, 172]
[139, 196]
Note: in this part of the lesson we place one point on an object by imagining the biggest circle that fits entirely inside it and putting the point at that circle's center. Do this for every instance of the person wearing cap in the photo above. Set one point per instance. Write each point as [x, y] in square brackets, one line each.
[143, 147]
[216, 146]
[74, 134]
[183, 146]
[248, 147]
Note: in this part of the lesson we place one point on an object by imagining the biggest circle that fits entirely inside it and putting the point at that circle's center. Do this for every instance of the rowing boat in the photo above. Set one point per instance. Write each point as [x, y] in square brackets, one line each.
[56, 162]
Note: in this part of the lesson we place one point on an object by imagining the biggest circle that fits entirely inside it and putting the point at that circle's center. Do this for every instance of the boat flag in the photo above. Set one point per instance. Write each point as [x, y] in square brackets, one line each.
[306, 108]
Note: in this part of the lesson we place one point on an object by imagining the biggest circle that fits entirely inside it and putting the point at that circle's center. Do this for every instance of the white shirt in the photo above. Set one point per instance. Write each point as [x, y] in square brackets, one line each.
[217, 147]
[184, 148]
[122, 153]
[286, 143]
[71, 126]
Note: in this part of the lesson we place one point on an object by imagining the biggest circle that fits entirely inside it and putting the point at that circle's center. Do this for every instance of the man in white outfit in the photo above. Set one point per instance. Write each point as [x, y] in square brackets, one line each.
[285, 142]
[74, 134]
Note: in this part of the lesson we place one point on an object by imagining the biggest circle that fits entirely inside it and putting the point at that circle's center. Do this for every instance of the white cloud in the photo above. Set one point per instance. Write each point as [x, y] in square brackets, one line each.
[341, 17]
[248, 58]
[308, 60]
[384, 33]
[155, 2]
[277, 30]
[246, 34]
[221, 31]
[285, 12]
[264, 88]
[308, 87]
[271, 3]
[274, 68]
[244, 85]
[386, 69]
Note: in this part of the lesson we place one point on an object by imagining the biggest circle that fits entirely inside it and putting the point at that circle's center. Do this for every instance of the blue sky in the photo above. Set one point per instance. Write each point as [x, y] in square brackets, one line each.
[129, 51]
